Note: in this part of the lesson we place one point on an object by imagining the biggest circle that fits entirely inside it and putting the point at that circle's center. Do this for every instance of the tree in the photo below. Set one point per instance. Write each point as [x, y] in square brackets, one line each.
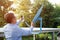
[47, 14]
[28, 9]
[56, 14]
[4, 4]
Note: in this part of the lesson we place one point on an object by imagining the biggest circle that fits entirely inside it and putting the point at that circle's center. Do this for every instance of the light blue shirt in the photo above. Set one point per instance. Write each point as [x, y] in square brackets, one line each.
[14, 32]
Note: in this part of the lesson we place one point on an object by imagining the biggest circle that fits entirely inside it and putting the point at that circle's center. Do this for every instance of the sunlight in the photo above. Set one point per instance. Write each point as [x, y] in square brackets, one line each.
[30, 11]
[54, 1]
[32, 1]
[14, 5]
[11, 0]
[2, 8]
[11, 12]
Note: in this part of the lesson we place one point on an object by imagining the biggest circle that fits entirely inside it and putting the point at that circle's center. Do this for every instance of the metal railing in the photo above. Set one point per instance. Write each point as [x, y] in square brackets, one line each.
[36, 31]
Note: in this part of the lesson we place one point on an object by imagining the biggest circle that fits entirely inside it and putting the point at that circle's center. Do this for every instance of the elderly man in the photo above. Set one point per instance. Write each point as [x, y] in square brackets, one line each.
[12, 31]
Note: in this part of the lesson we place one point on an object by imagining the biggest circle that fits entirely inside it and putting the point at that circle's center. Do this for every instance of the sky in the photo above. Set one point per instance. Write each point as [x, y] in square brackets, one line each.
[54, 1]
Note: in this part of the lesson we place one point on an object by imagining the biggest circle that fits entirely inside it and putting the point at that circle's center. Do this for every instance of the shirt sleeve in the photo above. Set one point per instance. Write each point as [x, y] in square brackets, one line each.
[18, 22]
[25, 32]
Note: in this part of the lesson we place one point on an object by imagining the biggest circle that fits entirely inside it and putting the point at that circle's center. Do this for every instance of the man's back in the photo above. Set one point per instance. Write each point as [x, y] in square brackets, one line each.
[14, 32]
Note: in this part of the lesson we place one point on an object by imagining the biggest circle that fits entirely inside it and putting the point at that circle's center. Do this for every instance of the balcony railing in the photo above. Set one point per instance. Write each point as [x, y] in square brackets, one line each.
[36, 31]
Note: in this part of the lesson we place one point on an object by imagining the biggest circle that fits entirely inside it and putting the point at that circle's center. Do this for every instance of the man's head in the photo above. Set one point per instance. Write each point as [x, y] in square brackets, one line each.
[10, 18]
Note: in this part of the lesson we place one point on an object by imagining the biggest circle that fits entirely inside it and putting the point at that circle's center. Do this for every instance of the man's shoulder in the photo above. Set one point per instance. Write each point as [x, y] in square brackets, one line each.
[6, 26]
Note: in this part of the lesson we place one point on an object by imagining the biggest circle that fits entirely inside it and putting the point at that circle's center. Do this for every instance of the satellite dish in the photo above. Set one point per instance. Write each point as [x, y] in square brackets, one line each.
[37, 17]
[37, 14]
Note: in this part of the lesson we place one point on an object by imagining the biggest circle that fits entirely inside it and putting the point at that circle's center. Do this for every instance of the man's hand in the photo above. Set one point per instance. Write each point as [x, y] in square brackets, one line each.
[22, 18]
[32, 24]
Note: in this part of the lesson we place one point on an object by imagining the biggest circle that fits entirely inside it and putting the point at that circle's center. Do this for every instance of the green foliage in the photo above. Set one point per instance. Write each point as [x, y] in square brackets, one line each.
[28, 10]
[47, 15]
[27, 38]
[58, 26]
[4, 4]
[45, 36]
[56, 14]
